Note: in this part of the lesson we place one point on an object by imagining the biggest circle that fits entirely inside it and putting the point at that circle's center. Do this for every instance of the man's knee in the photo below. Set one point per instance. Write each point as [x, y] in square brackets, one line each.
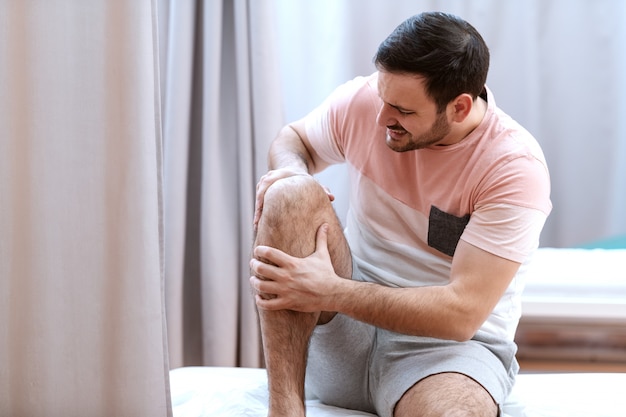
[294, 199]
[293, 210]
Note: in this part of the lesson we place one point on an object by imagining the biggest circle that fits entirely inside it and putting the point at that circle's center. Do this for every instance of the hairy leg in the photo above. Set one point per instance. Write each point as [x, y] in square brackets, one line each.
[293, 210]
[446, 394]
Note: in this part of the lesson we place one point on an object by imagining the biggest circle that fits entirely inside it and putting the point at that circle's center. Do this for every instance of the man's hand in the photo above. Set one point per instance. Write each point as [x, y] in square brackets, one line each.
[270, 178]
[290, 283]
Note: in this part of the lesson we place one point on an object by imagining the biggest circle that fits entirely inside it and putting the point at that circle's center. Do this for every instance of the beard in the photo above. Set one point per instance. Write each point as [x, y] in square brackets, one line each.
[437, 132]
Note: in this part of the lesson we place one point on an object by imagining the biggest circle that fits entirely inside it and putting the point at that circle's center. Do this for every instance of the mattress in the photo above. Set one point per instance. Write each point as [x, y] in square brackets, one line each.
[228, 392]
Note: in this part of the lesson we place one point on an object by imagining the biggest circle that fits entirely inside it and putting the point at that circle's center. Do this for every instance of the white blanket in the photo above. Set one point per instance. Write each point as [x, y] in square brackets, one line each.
[228, 392]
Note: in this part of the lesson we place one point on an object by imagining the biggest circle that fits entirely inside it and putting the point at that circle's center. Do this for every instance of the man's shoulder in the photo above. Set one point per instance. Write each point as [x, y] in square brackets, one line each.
[505, 137]
[355, 104]
[362, 89]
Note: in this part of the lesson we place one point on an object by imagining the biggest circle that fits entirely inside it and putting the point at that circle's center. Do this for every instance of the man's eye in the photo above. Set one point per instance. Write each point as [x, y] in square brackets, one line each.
[405, 112]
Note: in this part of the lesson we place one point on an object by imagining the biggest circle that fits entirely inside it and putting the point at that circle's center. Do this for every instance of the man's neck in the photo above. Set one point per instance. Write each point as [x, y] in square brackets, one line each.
[476, 116]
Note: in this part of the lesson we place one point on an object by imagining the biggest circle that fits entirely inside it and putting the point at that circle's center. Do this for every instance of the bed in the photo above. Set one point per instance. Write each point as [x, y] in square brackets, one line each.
[579, 290]
[228, 392]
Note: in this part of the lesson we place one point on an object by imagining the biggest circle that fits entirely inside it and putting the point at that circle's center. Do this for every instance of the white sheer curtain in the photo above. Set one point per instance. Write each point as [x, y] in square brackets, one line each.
[557, 67]
[81, 308]
[221, 110]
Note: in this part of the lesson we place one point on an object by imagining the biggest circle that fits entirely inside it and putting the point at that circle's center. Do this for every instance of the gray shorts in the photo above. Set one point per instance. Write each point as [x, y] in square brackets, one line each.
[361, 367]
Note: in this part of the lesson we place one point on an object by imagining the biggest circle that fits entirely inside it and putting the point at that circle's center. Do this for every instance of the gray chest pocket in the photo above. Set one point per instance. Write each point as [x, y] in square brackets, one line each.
[445, 230]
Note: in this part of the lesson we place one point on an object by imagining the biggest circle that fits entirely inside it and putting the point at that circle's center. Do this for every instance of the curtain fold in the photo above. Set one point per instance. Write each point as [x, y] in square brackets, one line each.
[81, 301]
[222, 108]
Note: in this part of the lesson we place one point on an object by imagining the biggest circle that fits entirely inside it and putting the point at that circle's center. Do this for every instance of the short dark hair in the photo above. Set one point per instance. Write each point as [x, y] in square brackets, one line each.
[444, 49]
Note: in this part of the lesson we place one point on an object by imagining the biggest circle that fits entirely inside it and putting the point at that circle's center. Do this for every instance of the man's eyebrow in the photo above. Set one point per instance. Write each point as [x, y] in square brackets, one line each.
[401, 109]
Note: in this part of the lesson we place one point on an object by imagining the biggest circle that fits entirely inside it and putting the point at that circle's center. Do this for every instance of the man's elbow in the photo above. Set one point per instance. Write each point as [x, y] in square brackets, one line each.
[465, 329]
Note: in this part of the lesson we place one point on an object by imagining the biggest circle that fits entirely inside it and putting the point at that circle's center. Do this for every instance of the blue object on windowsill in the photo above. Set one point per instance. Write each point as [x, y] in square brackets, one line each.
[615, 242]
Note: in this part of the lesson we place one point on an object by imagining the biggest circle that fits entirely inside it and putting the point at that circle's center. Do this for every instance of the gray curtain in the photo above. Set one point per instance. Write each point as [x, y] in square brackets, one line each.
[81, 258]
[221, 110]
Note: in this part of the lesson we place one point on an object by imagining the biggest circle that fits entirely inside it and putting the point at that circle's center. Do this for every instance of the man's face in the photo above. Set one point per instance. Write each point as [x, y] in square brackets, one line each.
[409, 114]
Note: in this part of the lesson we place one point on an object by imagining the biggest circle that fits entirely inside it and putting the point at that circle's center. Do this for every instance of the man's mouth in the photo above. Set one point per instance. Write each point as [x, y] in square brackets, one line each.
[395, 132]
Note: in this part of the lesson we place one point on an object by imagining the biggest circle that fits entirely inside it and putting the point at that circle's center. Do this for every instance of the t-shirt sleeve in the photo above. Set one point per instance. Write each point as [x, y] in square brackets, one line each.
[511, 213]
[326, 123]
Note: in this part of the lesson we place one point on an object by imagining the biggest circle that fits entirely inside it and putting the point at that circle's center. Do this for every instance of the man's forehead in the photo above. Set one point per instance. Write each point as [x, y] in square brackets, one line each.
[402, 89]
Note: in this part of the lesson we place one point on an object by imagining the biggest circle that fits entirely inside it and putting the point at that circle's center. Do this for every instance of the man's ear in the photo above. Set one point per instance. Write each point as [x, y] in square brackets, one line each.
[461, 107]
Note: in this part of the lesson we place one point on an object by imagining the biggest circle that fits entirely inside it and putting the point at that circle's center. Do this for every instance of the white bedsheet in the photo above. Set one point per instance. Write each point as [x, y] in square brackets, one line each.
[228, 392]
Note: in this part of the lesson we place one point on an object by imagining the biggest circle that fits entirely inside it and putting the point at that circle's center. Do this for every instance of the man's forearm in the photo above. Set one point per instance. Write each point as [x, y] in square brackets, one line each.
[289, 150]
[426, 311]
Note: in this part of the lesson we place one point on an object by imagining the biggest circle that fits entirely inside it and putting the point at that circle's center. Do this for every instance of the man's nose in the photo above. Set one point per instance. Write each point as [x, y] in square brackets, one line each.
[385, 116]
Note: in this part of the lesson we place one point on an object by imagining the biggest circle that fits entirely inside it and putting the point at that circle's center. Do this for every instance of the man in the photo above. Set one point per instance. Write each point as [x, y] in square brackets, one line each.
[413, 308]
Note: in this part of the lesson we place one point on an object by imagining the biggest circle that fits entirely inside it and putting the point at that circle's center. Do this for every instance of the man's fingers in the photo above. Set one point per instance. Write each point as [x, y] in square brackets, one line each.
[331, 196]
[322, 238]
[271, 256]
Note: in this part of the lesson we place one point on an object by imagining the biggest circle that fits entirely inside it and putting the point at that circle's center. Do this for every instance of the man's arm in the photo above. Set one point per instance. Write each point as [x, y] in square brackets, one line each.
[290, 154]
[291, 149]
[454, 311]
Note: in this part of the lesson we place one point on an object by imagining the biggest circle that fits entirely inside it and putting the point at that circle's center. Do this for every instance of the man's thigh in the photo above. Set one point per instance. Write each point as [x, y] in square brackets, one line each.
[446, 394]
[401, 363]
[338, 365]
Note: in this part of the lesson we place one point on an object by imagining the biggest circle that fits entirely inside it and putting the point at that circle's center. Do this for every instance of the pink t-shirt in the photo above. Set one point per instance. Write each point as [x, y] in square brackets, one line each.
[409, 209]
